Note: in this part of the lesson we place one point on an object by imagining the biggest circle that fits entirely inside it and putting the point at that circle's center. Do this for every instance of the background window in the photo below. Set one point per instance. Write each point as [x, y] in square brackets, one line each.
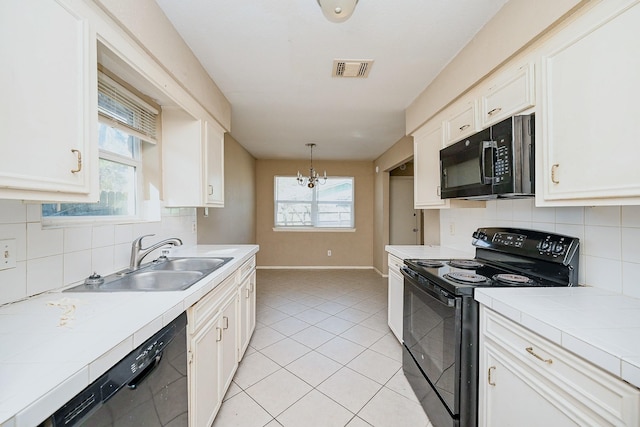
[325, 206]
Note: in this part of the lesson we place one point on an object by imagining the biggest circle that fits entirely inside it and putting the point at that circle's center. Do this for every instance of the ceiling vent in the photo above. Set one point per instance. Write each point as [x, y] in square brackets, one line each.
[351, 68]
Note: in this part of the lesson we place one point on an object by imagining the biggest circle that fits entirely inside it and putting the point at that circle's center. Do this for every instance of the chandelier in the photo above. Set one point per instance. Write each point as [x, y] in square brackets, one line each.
[313, 178]
[337, 10]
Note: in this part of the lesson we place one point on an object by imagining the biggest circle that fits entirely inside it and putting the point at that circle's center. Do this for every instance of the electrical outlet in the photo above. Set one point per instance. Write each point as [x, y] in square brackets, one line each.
[452, 228]
[7, 254]
[193, 227]
[329, 252]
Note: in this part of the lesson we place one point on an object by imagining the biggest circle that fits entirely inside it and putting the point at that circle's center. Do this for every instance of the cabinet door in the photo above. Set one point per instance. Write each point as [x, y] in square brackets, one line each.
[48, 113]
[396, 297]
[204, 389]
[462, 122]
[229, 345]
[511, 399]
[589, 123]
[247, 316]
[426, 162]
[511, 93]
[214, 165]
[181, 158]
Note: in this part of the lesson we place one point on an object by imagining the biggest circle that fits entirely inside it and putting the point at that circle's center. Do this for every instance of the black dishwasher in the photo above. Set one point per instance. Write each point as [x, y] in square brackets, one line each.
[146, 388]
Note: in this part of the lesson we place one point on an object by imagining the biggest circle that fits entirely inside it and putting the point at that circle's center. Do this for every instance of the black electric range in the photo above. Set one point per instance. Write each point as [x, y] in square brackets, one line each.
[506, 257]
[440, 323]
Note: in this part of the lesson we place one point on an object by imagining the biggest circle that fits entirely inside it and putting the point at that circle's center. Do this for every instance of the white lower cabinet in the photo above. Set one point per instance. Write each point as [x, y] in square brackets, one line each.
[395, 296]
[247, 305]
[204, 390]
[220, 327]
[526, 380]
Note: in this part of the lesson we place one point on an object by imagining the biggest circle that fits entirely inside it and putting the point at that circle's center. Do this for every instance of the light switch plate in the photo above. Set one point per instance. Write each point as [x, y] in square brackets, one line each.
[7, 254]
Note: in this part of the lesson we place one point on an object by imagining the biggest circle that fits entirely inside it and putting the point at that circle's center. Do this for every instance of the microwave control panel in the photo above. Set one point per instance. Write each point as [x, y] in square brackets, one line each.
[502, 162]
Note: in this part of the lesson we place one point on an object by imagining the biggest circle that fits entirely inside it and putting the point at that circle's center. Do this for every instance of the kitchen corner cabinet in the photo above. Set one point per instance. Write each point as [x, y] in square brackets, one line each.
[588, 119]
[193, 160]
[395, 296]
[49, 125]
[427, 143]
[511, 92]
[526, 380]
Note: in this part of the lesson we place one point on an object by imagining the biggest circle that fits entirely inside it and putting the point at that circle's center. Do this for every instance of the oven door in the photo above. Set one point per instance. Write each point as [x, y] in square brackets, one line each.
[432, 333]
[466, 167]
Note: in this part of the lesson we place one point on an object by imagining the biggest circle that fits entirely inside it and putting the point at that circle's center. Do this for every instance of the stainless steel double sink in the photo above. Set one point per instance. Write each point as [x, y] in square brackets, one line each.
[163, 274]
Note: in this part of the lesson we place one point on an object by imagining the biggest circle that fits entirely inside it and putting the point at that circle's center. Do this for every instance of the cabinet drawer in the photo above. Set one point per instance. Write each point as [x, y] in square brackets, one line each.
[582, 389]
[461, 124]
[246, 269]
[204, 309]
[394, 263]
[509, 95]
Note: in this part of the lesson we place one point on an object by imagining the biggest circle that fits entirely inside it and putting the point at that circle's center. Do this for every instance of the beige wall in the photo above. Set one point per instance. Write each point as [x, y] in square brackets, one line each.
[298, 249]
[236, 222]
[515, 26]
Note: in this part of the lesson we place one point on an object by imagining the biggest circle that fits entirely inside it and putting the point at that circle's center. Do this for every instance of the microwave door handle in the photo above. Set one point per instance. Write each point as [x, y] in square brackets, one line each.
[487, 145]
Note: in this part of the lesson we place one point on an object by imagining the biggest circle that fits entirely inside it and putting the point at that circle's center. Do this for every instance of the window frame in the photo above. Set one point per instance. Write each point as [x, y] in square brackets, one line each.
[314, 208]
[136, 161]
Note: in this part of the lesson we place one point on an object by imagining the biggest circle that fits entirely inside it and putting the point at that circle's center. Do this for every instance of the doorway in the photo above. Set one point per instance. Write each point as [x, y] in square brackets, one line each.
[405, 222]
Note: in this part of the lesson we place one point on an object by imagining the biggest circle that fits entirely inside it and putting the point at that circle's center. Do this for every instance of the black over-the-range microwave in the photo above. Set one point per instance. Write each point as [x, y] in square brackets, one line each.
[497, 162]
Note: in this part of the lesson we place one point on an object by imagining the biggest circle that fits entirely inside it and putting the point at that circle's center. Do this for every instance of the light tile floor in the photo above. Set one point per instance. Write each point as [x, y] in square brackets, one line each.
[322, 355]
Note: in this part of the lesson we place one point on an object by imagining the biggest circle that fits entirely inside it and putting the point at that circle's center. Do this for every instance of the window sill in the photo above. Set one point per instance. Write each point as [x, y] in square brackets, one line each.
[314, 229]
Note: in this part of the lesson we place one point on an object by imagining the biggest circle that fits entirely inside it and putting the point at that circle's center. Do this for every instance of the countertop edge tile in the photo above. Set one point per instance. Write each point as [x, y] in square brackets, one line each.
[597, 356]
[542, 328]
[631, 370]
[33, 414]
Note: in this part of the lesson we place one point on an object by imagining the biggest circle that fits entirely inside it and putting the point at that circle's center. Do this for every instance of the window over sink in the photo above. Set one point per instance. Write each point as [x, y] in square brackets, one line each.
[124, 122]
[326, 206]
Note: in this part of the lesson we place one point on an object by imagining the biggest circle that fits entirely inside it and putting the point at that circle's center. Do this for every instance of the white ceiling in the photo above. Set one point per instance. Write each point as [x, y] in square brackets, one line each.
[273, 60]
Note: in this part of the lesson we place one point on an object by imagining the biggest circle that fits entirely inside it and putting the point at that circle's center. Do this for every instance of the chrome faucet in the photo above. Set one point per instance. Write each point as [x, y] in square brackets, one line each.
[138, 253]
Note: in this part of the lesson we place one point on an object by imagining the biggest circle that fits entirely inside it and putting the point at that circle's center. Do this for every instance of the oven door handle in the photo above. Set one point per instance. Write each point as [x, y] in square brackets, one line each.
[442, 296]
[433, 291]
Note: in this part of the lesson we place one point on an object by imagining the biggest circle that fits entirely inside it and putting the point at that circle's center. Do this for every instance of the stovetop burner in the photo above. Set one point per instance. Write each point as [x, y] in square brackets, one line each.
[513, 279]
[468, 264]
[430, 263]
[465, 277]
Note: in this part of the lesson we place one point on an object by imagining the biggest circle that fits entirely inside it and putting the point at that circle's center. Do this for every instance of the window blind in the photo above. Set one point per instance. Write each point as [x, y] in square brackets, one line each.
[120, 108]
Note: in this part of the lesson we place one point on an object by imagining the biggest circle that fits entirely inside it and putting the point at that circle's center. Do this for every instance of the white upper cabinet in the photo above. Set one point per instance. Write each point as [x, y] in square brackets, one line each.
[214, 165]
[462, 122]
[587, 126]
[48, 113]
[427, 143]
[193, 160]
[509, 93]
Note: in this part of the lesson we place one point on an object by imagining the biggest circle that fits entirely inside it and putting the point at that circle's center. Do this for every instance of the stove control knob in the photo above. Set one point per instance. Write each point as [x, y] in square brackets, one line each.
[544, 246]
[558, 248]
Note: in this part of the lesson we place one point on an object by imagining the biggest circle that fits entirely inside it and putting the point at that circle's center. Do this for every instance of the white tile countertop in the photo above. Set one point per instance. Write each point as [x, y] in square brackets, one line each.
[597, 325]
[47, 357]
[427, 252]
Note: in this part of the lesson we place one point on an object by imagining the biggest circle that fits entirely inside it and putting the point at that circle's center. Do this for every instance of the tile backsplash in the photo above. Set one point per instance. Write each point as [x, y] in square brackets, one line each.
[51, 258]
[609, 236]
